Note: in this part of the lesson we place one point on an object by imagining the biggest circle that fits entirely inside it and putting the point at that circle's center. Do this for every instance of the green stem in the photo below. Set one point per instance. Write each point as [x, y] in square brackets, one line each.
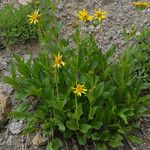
[91, 91]
[76, 100]
[77, 66]
[90, 100]
[76, 104]
[57, 88]
[40, 33]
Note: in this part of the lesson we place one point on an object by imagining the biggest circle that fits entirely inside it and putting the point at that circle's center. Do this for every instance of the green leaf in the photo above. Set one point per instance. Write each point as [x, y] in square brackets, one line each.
[10, 81]
[111, 51]
[105, 135]
[76, 37]
[124, 117]
[29, 130]
[134, 139]
[92, 112]
[116, 141]
[145, 85]
[17, 115]
[96, 124]
[55, 144]
[99, 89]
[130, 113]
[21, 95]
[84, 128]
[115, 126]
[82, 139]
[101, 146]
[145, 98]
[58, 123]
[140, 109]
[49, 146]
[61, 126]
[96, 136]
[67, 134]
[24, 107]
[78, 112]
[107, 72]
[17, 57]
[72, 125]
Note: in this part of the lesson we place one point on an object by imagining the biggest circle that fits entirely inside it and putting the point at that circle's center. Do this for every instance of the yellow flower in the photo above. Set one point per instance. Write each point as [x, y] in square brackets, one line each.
[37, 2]
[84, 15]
[100, 15]
[58, 61]
[142, 4]
[33, 18]
[79, 89]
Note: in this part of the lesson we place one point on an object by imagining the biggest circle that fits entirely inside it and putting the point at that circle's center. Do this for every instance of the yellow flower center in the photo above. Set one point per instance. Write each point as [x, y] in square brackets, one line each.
[37, 2]
[142, 4]
[58, 61]
[100, 15]
[79, 89]
[84, 15]
[35, 16]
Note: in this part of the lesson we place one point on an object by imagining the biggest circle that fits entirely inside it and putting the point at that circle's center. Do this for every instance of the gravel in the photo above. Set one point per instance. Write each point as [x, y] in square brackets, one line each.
[5, 2]
[16, 127]
[120, 13]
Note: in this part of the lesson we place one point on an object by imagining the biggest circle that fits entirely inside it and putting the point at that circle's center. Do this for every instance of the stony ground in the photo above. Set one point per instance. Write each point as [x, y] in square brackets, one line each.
[120, 13]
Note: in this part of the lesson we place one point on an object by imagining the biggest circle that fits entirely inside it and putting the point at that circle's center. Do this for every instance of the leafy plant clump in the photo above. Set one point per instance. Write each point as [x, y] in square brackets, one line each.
[142, 47]
[75, 92]
[103, 113]
[14, 25]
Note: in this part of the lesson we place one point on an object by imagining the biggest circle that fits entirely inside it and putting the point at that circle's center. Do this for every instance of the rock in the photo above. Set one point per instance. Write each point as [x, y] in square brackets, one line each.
[38, 140]
[5, 89]
[61, 6]
[75, 147]
[5, 108]
[26, 57]
[24, 2]
[23, 139]
[16, 127]
[9, 140]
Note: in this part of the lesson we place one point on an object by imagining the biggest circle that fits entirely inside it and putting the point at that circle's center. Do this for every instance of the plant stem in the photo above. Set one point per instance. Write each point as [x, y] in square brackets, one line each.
[57, 88]
[76, 100]
[76, 104]
[77, 66]
[90, 100]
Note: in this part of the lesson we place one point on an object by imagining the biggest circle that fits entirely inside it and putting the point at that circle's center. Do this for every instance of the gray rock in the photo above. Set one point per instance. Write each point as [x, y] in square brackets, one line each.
[16, 127]
[38, 140]
[26, 57]
[24, 2]
[5, 108]
[5, 89]
[61, 6]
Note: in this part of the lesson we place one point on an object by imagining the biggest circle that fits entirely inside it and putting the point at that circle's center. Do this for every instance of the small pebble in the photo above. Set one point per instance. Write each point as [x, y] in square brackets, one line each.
[16, 127]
